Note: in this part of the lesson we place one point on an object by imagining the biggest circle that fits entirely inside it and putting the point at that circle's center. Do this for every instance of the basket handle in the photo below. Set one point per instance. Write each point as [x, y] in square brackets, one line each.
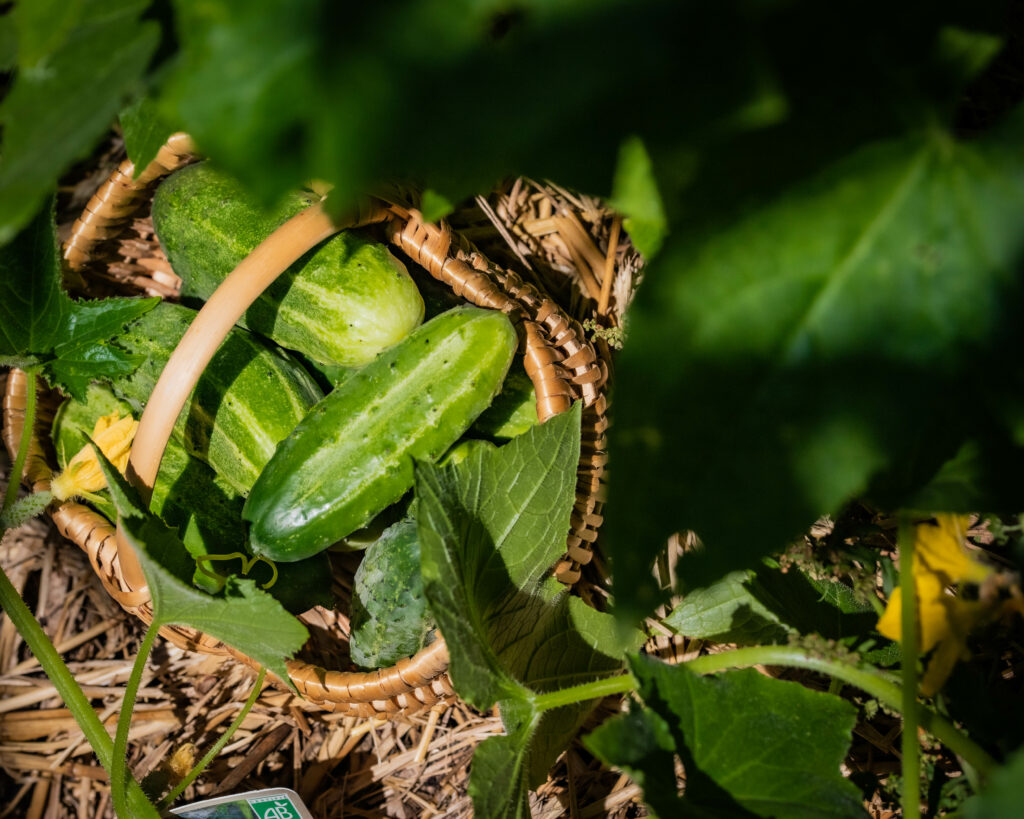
[202, 339]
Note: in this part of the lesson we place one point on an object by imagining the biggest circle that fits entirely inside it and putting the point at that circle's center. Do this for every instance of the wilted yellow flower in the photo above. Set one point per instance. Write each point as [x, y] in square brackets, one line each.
[940, 560]
[182, 761]
[82, 477]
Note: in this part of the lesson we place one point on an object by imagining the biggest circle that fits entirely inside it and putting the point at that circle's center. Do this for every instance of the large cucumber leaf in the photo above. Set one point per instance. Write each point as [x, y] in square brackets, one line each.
[816, 349]
[750, 744]
[491, 526]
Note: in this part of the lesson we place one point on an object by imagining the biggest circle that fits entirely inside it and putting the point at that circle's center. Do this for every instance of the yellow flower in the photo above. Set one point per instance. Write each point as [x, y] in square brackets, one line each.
[940, 560]
[82, 477]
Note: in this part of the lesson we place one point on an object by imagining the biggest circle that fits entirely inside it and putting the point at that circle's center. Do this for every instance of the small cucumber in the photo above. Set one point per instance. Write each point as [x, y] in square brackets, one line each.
[247, 400]
[352, 456]
[463, 449]
[205, 510]
[514, 409]
[389, 616]
[342, 303]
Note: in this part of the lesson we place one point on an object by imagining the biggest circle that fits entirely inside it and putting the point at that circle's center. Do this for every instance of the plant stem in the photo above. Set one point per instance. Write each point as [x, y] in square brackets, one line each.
[870, 681]
[26, 438]
[119, 773]
[910, 749]
[218, 745]
[873, 682]
[68, 689]
[43, 650]
[605, 687]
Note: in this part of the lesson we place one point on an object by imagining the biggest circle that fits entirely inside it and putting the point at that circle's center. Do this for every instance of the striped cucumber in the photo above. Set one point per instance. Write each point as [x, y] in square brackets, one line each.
[340, 304]
[353, 454]
[248, 399]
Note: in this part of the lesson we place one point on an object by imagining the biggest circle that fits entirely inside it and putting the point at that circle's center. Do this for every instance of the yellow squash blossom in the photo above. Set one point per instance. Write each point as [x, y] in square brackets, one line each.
[83, 477]
[940, 560]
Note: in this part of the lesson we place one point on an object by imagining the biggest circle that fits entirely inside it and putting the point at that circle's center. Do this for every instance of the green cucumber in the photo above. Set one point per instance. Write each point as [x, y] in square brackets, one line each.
[463, 449]
[327, 376]
[389, 615]
[352, 456]
[190, 497]
[514, 409]
[340, 304]
[247, 400]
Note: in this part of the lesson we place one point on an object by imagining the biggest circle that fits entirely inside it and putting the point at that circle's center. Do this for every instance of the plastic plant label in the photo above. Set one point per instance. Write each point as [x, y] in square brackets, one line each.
[272, 803]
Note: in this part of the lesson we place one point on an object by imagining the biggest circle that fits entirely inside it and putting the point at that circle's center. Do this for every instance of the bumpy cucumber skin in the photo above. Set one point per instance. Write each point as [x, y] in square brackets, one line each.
[352, 456]
[340, 304]
[247, 400]
[205, 510]
[389, 615]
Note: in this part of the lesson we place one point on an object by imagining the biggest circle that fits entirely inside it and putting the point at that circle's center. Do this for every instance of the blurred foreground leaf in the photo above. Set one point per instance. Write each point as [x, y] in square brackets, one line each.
[58, 108]
[796, 357]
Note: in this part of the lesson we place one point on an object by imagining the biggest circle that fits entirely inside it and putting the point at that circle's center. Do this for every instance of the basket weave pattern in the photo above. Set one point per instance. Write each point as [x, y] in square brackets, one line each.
[561, 363]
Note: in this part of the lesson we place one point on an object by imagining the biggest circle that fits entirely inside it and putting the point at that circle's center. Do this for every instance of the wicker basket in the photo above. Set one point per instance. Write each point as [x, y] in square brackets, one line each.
[562, 364]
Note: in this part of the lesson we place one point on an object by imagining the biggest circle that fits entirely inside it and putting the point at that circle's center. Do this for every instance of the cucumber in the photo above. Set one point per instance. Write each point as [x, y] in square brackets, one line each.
[463, 449]
[341, 304]
[389, 615]
[190, 497]
[247, 400]
[352, 456]
[327, 376]
[514, 409]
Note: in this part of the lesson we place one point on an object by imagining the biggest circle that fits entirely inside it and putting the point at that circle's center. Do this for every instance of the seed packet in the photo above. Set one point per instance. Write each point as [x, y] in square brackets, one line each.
[271, 803]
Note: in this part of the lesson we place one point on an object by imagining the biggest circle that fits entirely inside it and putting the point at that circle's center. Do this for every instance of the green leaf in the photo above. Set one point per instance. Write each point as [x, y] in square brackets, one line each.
[774, 747]
[499, 778]
[505, 768]
[351, 96]
[820, 607]
[43, 26]
[635, 195]
[791, 330]
[39, 323]
[640, 743]
[83, 356]
[76, 368]
[8, 43]
[58, 109]
[145, 131]
[435, 206]
[1002, 795]
[90, 322]
[33, 308]
[727, 612]
[246, 618]
[490, 528]
[963, 54]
